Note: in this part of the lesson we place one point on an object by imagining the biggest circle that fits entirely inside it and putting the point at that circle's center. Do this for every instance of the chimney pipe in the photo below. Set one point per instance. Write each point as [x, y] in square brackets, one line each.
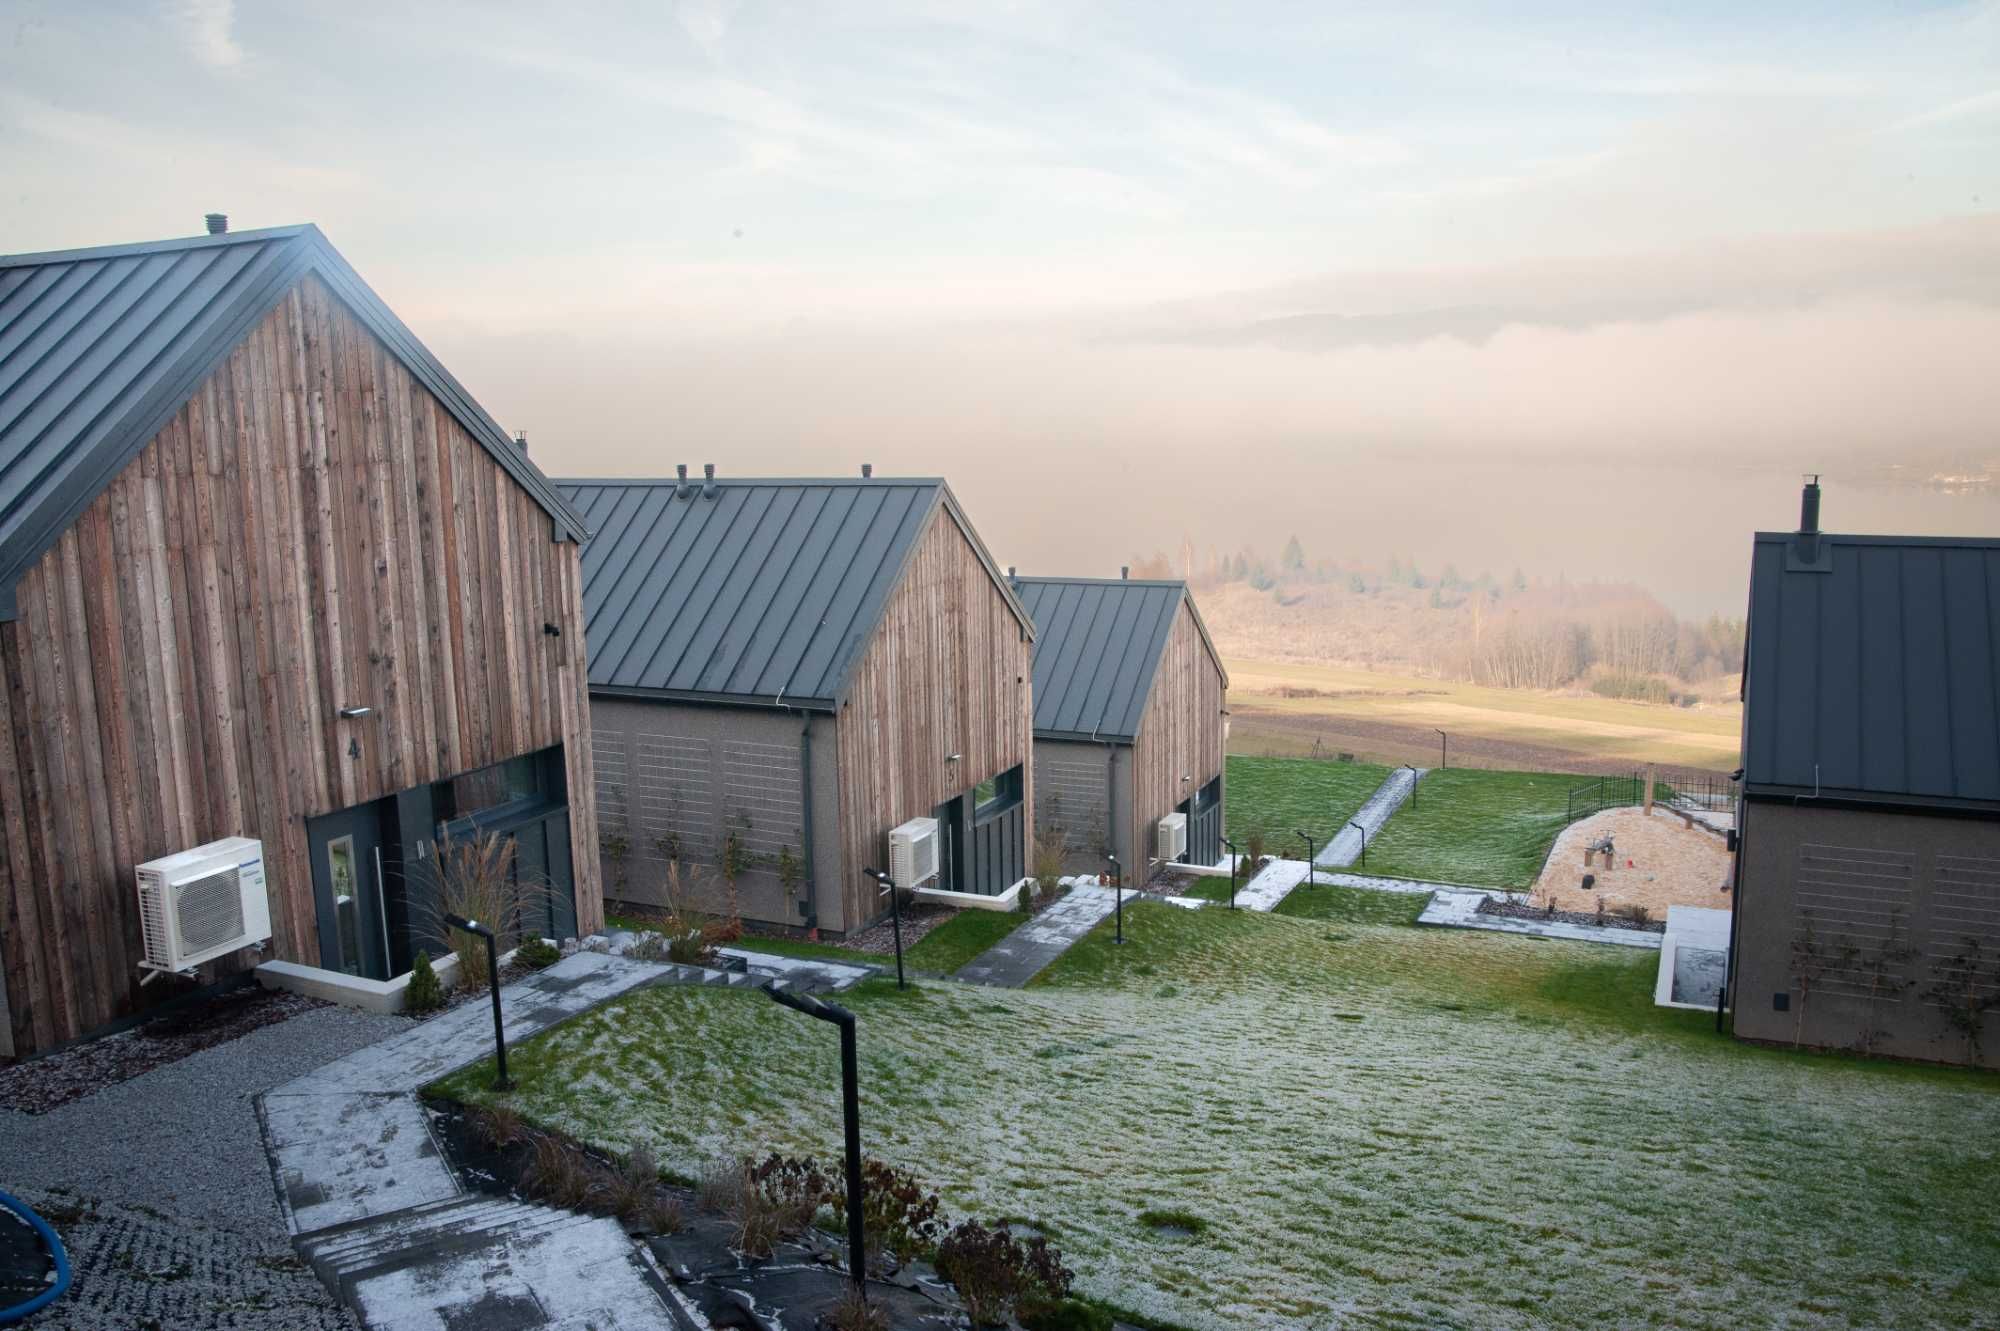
[867, 470]
[521, 440]
[1809, 521]
[217, 223]
[709, 489]
[681, 487]
[1124, 572]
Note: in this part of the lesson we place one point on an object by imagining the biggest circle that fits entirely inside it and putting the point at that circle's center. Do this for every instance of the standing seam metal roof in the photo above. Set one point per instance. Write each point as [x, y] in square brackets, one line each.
[1098, 644]
[766, 592]
[100, 347]
[1879, 676]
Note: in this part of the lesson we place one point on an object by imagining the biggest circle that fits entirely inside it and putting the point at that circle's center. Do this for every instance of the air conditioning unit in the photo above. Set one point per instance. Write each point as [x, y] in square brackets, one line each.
[1172, 837]
[913, 852]
[203, 903]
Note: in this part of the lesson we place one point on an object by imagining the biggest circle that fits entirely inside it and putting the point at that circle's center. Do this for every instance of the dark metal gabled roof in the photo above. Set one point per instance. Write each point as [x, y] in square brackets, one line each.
[100, 347]
[1877, 674]
[765, 593]
[1098, 643]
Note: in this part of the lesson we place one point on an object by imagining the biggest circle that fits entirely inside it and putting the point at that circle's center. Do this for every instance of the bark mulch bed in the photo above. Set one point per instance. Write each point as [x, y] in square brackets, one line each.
[1171, 882]
[1521, 911]
[42, 1084]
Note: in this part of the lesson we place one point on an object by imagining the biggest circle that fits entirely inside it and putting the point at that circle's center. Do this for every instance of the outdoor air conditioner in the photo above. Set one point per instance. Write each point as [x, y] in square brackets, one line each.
[203, 903]
[913, 852]
[1173, 837]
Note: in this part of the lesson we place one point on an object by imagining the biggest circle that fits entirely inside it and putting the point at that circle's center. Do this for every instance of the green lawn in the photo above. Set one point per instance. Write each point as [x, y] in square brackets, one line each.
[1490, 829]
[944, 949]
[1379, 1126]
[1353, 905]
[1285, 796]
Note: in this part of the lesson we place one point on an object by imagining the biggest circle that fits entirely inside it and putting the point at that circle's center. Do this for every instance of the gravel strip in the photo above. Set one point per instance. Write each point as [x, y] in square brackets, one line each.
[183, 1138]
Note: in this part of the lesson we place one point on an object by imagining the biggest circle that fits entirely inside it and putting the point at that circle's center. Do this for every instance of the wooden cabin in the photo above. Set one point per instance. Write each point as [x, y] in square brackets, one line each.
[1867, 893]
[782, 671]
[266, 570]
[1131, 715]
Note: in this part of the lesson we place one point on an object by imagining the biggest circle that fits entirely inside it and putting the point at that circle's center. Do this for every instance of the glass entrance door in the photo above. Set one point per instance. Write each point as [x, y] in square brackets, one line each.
[350, 891]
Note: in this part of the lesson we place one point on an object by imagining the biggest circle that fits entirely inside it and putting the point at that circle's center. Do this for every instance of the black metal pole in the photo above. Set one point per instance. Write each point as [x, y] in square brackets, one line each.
[895, 917]
[1117, 897]
[1232, 871]
[1309, 854]
[850, 1112]
[1413, 783]
[478, 930]
[1444, 750]
[1364, 842]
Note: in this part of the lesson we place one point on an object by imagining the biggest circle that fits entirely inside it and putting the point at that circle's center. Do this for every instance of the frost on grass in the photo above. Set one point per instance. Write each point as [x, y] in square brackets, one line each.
[1381, 1127]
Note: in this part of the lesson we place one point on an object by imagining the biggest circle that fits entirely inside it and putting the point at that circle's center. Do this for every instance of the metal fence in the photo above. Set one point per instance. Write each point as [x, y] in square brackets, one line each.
[1694, 792]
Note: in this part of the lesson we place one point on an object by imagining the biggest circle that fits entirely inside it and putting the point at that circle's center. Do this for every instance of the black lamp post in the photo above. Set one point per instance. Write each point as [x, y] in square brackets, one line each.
[1413, 783]
[1305, 837]
[850, 1112]
[478, 930]
[895, 916]
[1117, 897]
[1232, 871]
[1364, 842]
[1444, 749]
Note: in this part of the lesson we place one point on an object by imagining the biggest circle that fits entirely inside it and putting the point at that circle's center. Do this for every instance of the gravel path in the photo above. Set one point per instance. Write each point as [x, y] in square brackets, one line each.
[183, 1139]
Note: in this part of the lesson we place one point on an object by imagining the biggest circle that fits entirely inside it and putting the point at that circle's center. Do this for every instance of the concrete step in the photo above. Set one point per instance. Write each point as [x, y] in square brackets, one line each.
[406, 1237]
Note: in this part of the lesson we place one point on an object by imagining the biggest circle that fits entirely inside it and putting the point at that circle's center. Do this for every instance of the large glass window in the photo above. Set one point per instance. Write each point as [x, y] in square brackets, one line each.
[997, 794]
[346, 910]
[475, 792]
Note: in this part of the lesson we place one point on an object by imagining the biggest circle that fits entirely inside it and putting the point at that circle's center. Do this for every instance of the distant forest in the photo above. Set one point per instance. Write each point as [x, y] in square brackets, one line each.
[1613, 638]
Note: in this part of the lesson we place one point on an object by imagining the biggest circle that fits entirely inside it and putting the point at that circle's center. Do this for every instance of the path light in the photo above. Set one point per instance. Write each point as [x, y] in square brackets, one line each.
[1310, 875]
[1413, 783]
[1364, 842]
[478, 930]
[850, 1112]
[1117, 897]
[1444, 749]
[1232, 871]
[895, 915]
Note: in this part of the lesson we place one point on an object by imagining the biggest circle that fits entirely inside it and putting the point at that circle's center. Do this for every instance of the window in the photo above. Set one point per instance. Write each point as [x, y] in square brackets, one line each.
[346, 910]
[515, 781]
[996, 794]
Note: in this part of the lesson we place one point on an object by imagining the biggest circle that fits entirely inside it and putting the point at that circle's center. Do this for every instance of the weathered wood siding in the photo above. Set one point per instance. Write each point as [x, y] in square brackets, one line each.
[948, 671]
[1180, 733]
[312, 531]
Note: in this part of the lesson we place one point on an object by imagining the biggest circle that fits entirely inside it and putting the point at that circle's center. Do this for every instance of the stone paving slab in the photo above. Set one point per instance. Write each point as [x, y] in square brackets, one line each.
[343, 1157]
[1023, 954]
[1388, 797]
[1271, 885]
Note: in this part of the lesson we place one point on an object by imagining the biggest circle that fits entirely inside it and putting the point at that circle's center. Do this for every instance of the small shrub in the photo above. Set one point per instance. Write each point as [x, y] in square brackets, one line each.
[1050, 851]
[496, 1125]
[537, 953]
[1253, 852]
[648, 946]
[561, 1175]
[633, 1195]
[855, 1313]
[995, 1273]
[720, 1185]
[900, 1215]
[1634, 912]
[425, 993]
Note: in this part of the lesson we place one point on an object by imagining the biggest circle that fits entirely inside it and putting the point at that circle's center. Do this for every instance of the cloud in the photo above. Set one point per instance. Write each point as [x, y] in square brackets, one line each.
[207, 27]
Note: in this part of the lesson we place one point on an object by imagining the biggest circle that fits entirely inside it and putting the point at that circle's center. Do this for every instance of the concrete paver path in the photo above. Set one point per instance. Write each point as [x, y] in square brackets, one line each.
[1272, 884]
[1021, 955]
[1345, 847]
[384, 1219]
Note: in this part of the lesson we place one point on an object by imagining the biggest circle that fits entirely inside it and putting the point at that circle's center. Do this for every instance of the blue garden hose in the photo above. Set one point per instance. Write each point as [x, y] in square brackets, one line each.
[20, 1312]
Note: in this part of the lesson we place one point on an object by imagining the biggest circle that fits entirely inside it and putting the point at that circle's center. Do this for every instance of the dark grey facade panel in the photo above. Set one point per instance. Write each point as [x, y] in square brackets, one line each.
[1880, 676]
[99, 348]
[765, 592]
[1098, 643]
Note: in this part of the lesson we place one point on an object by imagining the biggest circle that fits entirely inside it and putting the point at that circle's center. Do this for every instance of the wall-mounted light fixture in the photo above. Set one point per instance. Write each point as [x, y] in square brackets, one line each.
[554, 631]
[354, 713]
[951, 757]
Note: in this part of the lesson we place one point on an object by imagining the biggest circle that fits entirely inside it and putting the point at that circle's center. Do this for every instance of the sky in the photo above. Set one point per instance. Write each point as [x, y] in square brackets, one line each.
[1579, 288]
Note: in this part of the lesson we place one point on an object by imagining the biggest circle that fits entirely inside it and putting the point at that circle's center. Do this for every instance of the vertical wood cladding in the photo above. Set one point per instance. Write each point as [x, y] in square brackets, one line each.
[947, 671]
[1180, 733]
[313, 530]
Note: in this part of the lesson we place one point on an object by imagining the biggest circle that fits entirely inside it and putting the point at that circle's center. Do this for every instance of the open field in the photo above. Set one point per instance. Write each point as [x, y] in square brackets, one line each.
[1392, 719]
[1382, 1126]
[1283, 797]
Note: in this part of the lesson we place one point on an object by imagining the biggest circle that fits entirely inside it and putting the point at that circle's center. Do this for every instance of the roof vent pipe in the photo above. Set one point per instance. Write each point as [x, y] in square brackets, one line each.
[521, 440]
[709, 489]
[867, 470]
[682, 489]
[1809, 520]
[217, 223]
[1124, 572]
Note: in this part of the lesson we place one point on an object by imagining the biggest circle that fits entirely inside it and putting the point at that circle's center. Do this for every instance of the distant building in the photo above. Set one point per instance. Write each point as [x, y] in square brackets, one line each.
[1868, 865]
[782, 671]
[1130, 720]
